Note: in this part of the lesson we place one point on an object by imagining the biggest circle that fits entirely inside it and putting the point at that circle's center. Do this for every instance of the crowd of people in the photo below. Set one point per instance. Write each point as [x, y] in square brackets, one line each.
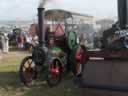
[26, 42]
[21, 41]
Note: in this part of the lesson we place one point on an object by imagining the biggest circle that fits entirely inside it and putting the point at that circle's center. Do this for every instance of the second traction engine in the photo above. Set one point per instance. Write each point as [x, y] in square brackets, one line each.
[116, 38]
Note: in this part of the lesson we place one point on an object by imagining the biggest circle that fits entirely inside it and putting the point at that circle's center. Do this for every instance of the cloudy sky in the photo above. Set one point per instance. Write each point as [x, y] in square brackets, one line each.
[27, 9]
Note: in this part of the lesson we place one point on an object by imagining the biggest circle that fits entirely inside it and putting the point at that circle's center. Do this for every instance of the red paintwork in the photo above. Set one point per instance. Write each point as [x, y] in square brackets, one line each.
[54, 70]
[58, 30]
[78, 56]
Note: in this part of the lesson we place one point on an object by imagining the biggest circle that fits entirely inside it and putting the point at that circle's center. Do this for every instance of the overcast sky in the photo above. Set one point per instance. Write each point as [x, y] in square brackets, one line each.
[27, 9]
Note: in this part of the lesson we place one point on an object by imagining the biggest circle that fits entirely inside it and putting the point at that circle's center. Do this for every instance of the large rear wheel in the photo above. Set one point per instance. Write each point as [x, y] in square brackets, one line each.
[75, 57]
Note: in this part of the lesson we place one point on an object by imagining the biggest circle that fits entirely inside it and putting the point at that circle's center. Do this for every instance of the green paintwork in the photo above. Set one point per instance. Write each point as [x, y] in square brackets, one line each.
[56, 49]
[71, 39]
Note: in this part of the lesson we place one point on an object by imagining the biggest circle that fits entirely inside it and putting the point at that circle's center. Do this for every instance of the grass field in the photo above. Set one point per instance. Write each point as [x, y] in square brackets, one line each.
[10, 84]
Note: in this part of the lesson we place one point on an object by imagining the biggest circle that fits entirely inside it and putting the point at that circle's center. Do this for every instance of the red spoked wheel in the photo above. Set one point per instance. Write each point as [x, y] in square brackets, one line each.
[27, 71]
[54, 76]
[78, 66]
[75, 57]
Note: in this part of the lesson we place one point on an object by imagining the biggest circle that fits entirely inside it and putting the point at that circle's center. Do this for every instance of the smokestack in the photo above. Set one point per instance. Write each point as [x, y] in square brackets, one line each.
[41, 32]
[123, 13]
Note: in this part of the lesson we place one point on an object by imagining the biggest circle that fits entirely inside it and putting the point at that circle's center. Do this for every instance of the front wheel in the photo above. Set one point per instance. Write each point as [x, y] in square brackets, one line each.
[54, 75]
[27, 71]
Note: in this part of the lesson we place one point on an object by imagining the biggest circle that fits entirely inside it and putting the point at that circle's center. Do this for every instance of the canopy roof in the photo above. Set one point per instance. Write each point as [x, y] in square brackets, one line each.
[59, 14]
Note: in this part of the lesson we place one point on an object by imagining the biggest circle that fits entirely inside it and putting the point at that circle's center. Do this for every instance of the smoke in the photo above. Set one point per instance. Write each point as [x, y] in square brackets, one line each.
[42, 3]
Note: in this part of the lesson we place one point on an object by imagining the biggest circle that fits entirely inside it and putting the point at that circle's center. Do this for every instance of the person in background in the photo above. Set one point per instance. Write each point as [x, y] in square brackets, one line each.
[20, 41]
[28, 43]
[5, 45]
[35, 40]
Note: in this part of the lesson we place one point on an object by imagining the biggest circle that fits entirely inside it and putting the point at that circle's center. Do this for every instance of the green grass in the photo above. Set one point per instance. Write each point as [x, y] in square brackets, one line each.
[10, 84]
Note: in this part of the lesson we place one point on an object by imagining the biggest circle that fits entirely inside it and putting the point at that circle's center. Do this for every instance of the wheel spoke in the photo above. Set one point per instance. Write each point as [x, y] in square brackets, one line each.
[29, 62]
[28, 66]
[32, 64]
[24, 69]
[28, 74]
[55, 77]
[78, 68]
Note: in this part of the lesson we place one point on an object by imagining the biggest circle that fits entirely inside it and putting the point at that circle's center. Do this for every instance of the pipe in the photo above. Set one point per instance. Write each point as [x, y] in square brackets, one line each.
[123, 13]
[41, 32]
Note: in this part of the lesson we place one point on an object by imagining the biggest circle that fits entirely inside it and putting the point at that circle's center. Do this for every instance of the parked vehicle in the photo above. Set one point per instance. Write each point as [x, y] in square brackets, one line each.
[55, 48]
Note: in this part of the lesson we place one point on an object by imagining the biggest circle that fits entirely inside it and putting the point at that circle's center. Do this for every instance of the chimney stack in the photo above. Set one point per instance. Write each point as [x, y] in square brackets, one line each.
[41, 33]
[123, 13]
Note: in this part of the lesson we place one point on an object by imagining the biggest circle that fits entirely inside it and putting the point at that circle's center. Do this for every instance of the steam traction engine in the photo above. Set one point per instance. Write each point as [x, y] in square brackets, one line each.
[53, 50]
[106, 69]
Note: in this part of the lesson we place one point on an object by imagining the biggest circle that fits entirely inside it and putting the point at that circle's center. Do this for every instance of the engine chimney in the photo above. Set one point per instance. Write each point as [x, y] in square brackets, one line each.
[41, 25]
[123, 13]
